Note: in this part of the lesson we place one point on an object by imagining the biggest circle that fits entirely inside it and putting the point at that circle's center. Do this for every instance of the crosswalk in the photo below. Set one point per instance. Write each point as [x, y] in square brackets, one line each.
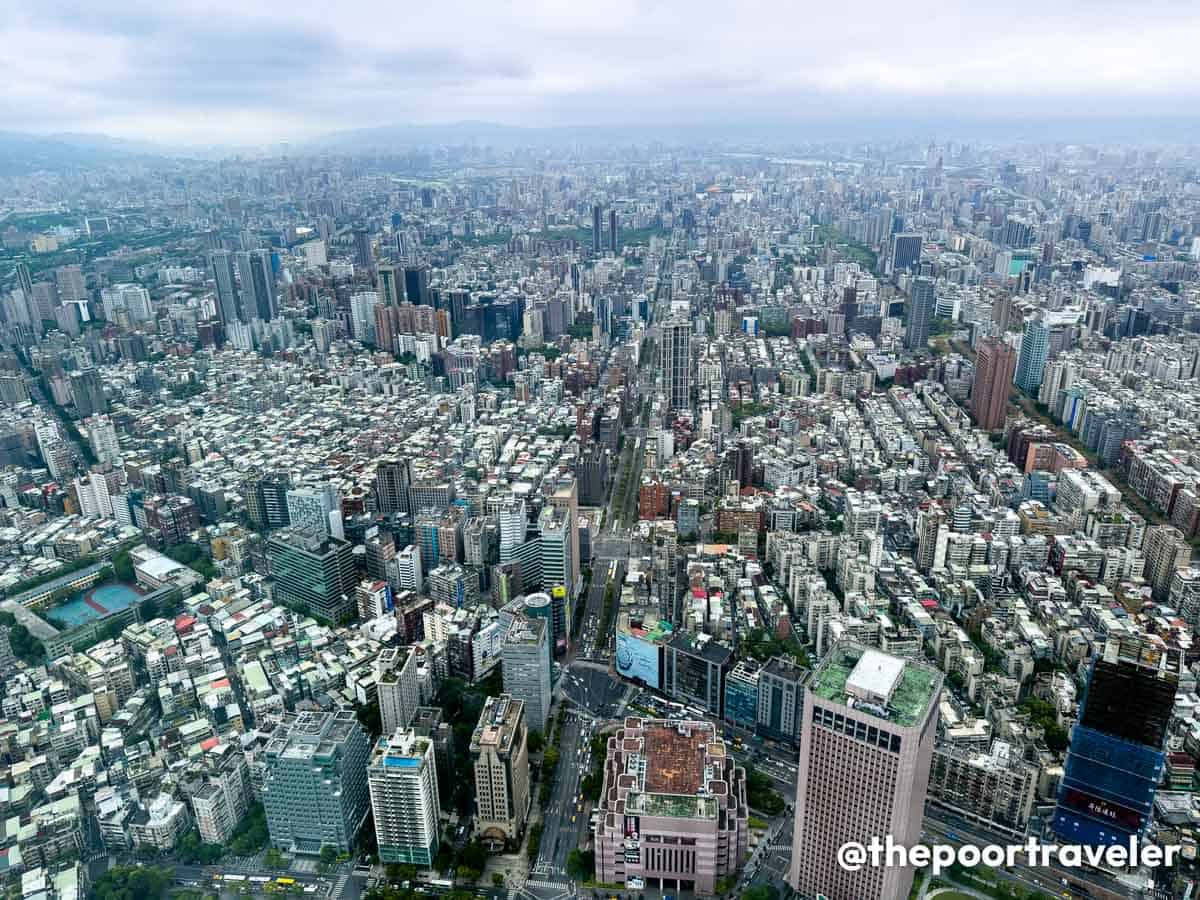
[550, 885]
[340, 884]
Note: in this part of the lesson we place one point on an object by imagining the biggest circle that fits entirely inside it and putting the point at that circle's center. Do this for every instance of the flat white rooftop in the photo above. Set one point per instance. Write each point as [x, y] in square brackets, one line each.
[875, 676]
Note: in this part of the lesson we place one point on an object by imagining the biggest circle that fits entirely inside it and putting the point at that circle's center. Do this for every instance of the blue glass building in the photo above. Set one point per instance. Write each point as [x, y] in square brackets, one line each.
[1116, 760]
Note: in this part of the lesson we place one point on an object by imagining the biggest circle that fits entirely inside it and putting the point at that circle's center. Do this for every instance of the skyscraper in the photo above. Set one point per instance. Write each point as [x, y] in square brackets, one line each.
[920, 314]
[500, 751]
[596, 239]
[1167, 551]
[995, 364]
[526, 660]
[364, 259]
[677, 363]
[315, 785]
[397, 686]
[391, 284]
[313, 572]
[229, 307]
[612, 231]
[906, 252]
[402, 778]
[1116, 760]
[258, 285]
[869, 720]
[1035, 347]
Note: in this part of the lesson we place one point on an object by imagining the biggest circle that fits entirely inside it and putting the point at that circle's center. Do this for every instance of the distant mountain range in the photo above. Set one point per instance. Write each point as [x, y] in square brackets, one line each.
[22, 154]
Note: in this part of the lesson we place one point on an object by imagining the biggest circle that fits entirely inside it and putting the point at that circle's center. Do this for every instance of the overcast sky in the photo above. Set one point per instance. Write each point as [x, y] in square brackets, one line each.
[220, 72]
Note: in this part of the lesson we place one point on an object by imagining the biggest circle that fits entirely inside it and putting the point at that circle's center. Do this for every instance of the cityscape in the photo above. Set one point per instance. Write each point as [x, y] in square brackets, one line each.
[540, 512]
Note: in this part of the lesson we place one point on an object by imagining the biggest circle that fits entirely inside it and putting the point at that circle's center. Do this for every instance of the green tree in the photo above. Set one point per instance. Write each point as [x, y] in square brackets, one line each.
[274, 859]
[536, 742]
[132, 883]
[328, 856]
[498, 879]
[581, 864]
[760, 892]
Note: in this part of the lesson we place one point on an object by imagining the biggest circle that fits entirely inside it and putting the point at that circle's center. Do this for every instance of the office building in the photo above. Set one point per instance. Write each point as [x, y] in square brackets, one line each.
[995, 365]
[781, 699]
[398, 687]
[409, 573]
[1167, 551]
[597, 241]
[613, 244]
[906, 253]
[677, 363]
[392, 480]
[416, 285]
[258, 285]
[1035, 348]
[229, 307]
[500, 753]
[673, 808]
[920, 314]
[694, 670]
[391, 284]
[315, 782]
[403, 784]
[869, 721]
[1115, 760]
[364, 258]
[313, 572]
[309, 507]
[526, 658]
[741, 695]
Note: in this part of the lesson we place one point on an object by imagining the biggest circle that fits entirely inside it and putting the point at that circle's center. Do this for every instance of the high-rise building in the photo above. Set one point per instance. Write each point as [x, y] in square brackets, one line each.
[781, 699]
[1167, 551]
[315, 782]
[410, 576]
[391, 284]
[364, 259]
[526, 659]
[398, 687]
[500, 752]
[362, 316]
[403, 783]
[995, 365]
[314, 572]
[102, 438]
[218, 783]
[869, 719]
[1035, 348]
[392, 478]
[677, 363]
[565, 497]
[673, 808]
[416, 285]
[71, 285]
[229, 307]
[1115, 760]
[258, 285]
[597, 241]
[309, 506]
[920, 314]
[613, 244]
[906, 253]
[87, 392]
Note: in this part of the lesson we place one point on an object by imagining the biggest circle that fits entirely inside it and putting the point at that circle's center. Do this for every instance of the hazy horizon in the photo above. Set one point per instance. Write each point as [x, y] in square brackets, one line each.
[223, 74]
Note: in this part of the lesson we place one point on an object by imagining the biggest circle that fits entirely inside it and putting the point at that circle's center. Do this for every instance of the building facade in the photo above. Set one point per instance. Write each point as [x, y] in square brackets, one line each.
[403, 783]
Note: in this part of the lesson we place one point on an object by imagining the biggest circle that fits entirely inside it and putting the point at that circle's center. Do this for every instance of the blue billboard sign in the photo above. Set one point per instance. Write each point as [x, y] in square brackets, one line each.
[637, 660]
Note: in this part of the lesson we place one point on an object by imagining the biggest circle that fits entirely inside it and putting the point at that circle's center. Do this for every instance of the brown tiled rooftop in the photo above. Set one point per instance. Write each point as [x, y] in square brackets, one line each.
[674, 761]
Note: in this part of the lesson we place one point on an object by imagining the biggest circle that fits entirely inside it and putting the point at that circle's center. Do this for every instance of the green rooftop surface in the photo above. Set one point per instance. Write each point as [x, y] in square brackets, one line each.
[909, 700]
[674, 806]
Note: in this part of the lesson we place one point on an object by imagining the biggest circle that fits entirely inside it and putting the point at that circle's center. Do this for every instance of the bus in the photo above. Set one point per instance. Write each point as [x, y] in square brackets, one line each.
[285, 881]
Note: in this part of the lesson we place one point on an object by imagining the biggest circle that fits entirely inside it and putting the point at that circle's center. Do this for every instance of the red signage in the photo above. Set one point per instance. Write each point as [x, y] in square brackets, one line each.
[1121, 816]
